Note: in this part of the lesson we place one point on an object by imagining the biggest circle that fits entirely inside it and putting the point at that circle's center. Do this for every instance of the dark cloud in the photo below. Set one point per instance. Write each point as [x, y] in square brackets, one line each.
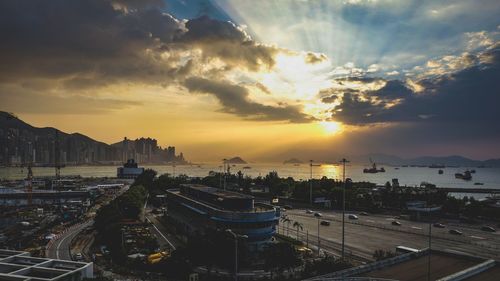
[234, 99]
[263, 88]
[393, 89]
[226, 41]
[466, 101]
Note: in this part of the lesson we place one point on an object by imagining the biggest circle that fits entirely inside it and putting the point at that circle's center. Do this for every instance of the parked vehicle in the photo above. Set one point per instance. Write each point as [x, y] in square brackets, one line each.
[325, 223]
[488, 228]
[353, 217]
[318, 215]
[363, 214]
[78, 257]
[396, 223]
[309, 212]
[438, 225]
[455, 232]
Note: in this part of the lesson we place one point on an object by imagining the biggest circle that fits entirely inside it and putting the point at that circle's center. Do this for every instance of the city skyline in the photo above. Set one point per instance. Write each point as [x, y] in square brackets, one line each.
[266, 81]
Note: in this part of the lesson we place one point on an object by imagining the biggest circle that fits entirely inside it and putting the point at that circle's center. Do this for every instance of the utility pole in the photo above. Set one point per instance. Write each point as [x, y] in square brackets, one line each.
[318, 239]
[343, 161]
[430, 235]
[225, 160]
[311, 182]
[236, 237]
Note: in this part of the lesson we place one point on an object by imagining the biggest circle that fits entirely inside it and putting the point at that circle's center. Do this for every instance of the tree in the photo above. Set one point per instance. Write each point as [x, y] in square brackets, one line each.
[280, 256]
[298, 225]
[284, 219]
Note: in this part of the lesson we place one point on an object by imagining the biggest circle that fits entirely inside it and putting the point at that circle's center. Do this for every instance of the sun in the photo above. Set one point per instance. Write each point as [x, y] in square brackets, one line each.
[331, 127]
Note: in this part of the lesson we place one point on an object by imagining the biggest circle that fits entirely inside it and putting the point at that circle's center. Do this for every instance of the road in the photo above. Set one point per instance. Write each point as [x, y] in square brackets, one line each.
[164, 238]
[369, 233]
[59, 247]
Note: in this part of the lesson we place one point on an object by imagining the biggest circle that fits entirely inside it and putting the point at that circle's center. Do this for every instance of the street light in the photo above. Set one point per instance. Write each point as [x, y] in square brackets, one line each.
[310, 180]
[236, 237]
[343, 161]
[225, 160]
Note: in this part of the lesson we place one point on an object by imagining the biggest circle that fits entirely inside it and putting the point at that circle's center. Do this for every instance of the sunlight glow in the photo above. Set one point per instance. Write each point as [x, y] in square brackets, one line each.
[331, 127]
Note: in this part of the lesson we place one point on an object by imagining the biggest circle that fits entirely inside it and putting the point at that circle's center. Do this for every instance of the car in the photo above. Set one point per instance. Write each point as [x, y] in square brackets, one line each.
[325, 223]
[438, 225]
[309, 212]
[353, 217]
[318, 215]
[396, 223]
[363, 214]
[288, 207]
[455, 232]
[78, 257]
[488, 228]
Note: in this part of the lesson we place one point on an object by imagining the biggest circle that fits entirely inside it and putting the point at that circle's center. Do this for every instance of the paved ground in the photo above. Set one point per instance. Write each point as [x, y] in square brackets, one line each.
[369, 233]
[59, 247]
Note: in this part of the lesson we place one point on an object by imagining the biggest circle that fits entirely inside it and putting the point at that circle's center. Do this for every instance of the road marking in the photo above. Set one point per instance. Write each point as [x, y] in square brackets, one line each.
[169, 243]
[416, 227]
[477, 237]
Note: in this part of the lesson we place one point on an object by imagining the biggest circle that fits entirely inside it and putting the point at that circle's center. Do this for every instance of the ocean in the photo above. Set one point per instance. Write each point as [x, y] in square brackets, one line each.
[411, 176]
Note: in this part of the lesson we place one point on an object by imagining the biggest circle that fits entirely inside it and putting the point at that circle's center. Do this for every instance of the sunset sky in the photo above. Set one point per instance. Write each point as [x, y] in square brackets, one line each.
[262, 79]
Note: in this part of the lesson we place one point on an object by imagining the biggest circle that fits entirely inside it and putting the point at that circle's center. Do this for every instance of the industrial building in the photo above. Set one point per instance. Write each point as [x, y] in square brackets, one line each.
[20, 266]
[18, 197]
[197, 208]
[130, 170]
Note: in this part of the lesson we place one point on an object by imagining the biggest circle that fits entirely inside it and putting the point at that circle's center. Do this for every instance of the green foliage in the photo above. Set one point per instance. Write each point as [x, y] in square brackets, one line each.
[289, 239]
[325, 265]
[382, 254]
[281, 256]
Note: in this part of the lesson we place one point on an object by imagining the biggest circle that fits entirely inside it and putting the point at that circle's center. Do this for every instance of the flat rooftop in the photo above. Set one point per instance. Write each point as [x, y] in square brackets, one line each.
[218, 192]
[17, 265]
[442, 265]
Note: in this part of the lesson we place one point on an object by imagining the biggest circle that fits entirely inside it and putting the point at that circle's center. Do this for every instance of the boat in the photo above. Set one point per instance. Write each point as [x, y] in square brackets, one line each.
[478, 183]
[465, 176]
[434, 166]
[440, 172]
[247, 167]
[472, 171]
[373, 169]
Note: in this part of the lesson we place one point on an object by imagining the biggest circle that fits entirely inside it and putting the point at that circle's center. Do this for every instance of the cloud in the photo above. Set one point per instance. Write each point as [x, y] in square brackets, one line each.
[466, 99]
[234, 99]
[313, 58]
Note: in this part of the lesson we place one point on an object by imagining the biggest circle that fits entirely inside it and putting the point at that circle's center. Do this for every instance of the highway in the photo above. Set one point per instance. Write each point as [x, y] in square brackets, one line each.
[59, 247]
[369, 233]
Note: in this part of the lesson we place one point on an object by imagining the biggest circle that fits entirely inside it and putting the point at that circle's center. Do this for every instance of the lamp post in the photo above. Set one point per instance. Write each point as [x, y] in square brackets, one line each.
[236, 237]
[310, 182]
[225, 160]
[343, 161]
[318, 238]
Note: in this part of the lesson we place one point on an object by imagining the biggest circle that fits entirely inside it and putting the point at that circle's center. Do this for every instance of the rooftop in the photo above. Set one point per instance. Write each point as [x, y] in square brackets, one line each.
[218, 192]
[17, 265]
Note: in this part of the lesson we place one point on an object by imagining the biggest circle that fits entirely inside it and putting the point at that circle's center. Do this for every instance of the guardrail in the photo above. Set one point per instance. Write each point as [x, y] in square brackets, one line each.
[368, 267]
[471, 271]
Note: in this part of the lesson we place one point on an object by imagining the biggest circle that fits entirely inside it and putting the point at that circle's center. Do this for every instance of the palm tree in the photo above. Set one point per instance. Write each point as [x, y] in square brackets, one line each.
[298, 225]
[285, 219]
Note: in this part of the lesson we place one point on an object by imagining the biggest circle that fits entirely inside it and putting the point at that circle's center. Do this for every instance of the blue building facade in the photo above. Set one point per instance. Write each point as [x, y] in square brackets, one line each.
[198, 208]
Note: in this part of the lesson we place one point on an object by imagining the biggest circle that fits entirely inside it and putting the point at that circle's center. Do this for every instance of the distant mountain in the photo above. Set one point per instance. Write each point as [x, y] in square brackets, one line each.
[21, 143]
[236, 160]
[293, 161]
[453, 160]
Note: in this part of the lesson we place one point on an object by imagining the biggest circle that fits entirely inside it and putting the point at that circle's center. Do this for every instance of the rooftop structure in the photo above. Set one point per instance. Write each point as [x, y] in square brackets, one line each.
[198, 208]
[130, 170]
[17, 265]
[413, 266]
[17, 197]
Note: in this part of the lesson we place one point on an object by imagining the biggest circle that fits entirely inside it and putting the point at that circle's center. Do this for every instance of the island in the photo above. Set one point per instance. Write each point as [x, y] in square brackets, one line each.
[236, 160]
[293, 161]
